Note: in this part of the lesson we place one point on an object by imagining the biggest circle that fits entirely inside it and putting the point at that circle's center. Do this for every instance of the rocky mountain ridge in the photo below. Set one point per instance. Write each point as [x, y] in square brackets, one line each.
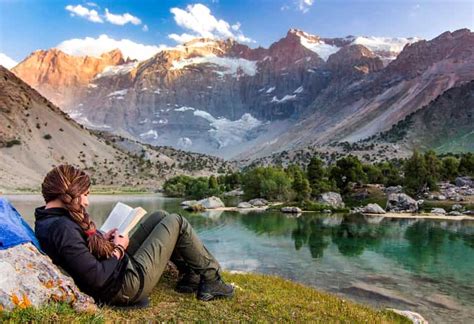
[224, 98]
[35, 135]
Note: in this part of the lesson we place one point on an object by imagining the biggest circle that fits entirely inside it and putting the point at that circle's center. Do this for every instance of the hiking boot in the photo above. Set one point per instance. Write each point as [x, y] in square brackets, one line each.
[212, 289]
[189, 283]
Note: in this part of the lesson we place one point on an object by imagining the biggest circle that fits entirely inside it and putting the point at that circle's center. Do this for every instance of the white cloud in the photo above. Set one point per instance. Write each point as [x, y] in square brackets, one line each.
[97, 46]
[121, 19]
[89, 14]
[92, 4]
[197, 18]
[7, 62]
[145, 28]
[304, 5]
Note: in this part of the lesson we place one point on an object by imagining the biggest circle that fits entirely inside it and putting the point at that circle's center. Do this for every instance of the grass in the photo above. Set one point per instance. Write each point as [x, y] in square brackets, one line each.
[259, 298]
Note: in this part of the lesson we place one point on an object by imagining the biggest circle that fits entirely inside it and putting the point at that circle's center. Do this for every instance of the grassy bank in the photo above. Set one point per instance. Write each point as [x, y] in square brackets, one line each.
[258, 298]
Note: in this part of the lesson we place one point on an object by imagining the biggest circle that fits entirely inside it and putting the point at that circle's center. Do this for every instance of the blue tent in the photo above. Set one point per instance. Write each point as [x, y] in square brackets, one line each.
[13, 228]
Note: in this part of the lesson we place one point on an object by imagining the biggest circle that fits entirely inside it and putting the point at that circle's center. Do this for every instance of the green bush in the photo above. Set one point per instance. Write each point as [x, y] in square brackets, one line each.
[47, 137]
[13, 142]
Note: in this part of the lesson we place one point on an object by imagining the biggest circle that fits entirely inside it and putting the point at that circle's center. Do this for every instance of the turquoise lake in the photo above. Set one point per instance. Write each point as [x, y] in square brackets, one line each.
[419, 265]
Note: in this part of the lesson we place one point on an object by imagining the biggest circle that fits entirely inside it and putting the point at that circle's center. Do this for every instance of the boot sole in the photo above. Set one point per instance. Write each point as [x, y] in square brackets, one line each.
[208, 297]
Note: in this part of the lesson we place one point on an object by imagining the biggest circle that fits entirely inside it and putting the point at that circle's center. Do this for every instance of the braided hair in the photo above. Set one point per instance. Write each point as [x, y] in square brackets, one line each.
[67, 183]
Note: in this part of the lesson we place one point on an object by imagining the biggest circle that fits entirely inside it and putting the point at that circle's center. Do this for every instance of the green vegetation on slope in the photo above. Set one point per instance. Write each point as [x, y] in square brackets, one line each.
[258, 298]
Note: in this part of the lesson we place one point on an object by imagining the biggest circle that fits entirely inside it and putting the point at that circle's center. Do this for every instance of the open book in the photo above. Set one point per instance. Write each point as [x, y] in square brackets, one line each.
[123, 217]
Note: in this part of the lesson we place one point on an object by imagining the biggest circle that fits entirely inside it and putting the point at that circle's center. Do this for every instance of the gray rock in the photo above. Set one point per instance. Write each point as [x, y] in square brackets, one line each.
[454, 213]
[464, 182]
[393, 189]
[294, 210]
[327, 211]
[400, 202]
[415, 318]
[469, 212]
[258, 202]
[373, 209]
[211, 202]
[35, 280]
[438, 211]
[420, 202]
[456, 207]
[441, 197]
[332, 199]
[244, 205]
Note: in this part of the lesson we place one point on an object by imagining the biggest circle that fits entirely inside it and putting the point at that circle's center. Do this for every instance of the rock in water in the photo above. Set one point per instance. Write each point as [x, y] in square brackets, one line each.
[332, 199]
[400, 202]
[294, 210]
[211, 202]
[373, 209]
[29, 278]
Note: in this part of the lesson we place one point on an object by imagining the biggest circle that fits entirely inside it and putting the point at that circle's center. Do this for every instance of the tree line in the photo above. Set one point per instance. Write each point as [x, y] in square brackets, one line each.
[420, 172]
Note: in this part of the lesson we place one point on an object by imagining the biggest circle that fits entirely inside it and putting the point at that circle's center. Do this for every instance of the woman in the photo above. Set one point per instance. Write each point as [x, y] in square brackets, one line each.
[110, 267]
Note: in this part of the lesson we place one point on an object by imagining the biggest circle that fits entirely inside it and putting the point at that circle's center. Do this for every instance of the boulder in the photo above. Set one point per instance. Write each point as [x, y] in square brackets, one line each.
[294, 210]
[258, 202]
[332, 199]
[393, 189]
[244, 205]
[29, 278]
[400, 202]
[438, 211]
[415, 318]
[464, 182]
[327, 211]
[211, 202]
[456, 207]
[373, 209]
[440, 197]
[454, 213]
[420, 202]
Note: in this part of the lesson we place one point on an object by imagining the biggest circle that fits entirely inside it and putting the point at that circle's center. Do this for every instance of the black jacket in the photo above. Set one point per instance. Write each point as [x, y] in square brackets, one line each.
[66, 244]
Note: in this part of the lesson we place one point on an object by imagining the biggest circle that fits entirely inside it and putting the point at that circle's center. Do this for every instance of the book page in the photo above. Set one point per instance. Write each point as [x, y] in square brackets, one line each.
[116, 217]
[132, 219]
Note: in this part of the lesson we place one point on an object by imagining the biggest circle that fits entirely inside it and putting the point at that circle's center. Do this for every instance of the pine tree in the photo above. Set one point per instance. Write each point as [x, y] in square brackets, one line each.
[415, 180]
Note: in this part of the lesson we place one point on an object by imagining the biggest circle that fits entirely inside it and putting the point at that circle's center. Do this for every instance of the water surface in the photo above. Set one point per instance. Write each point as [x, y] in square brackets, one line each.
[420, 265]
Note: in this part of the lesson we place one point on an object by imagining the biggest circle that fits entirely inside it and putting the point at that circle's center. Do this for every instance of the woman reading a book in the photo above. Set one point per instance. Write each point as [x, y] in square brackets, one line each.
[113, 268]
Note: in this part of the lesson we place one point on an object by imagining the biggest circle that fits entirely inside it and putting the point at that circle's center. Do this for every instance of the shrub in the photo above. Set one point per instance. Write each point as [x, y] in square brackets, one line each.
[47, 137]
[13, 142]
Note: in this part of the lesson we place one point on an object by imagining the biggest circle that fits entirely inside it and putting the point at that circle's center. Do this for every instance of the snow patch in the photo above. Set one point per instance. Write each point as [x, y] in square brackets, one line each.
[118, 94]
[151, 134]
[284, 99]
[299, 90]
[117, 70]
[270, 90]
[229, 132]
[384, 44]
[78, 117]
[184, 142]
[319, 47]
[230, 65]
[184, 108]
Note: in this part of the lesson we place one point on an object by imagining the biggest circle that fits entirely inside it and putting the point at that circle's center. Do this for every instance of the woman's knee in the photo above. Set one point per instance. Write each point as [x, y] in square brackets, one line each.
[156, 217]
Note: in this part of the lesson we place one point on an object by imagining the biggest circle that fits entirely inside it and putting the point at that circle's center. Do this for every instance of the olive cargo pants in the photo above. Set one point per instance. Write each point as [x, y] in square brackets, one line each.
[157, 239]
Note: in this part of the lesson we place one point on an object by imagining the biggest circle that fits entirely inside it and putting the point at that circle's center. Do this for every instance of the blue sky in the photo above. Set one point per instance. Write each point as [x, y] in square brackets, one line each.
[28, 25]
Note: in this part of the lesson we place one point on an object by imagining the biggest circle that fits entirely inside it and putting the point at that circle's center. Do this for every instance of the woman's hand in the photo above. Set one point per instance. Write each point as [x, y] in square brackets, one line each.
[121, 239]
[110, 234]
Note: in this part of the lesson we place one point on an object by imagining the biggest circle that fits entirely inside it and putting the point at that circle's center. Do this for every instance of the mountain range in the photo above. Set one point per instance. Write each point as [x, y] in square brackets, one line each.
[35, 135]
[224, 98]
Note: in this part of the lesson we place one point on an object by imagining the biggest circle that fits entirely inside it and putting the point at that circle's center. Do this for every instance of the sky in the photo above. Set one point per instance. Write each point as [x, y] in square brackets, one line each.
[142, 27]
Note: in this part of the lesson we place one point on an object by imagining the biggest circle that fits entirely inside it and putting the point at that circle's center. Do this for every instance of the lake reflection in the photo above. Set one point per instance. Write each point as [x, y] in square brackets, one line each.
[420, 265]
